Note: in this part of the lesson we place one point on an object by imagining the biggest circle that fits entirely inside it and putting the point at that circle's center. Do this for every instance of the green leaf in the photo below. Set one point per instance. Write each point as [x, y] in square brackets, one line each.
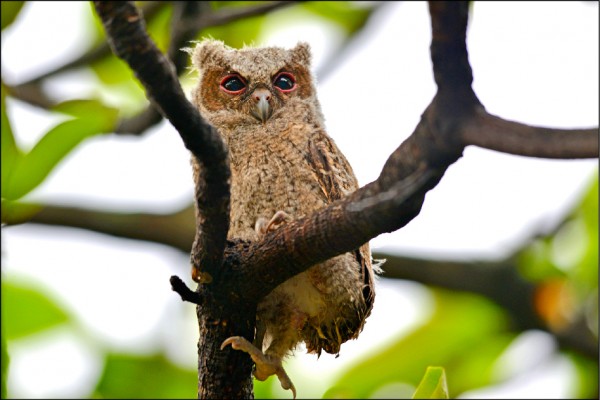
[345, 14]
[89, 109]
[587, 376]
[433, 385]
[461, 323]
[16, 212]
[26, 309]
[159, 27]
[10, 154]
[585, 273]
[10, 10]
[132, 376]
[35, 166]
[4, 359]
[238, 33]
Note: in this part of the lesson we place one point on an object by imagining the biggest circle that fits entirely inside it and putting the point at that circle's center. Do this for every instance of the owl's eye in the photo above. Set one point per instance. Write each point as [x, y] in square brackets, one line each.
[233, 84]
[285, 82]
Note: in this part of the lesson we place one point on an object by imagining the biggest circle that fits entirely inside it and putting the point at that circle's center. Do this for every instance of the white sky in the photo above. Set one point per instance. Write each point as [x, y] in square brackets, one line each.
[533, 62]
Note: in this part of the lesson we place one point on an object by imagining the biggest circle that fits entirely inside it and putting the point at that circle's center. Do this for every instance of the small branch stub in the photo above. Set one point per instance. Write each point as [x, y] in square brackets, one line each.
[185, 292]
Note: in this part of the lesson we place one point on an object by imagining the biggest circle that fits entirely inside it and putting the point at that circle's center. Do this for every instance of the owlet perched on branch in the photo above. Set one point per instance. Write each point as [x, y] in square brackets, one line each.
[284, 166]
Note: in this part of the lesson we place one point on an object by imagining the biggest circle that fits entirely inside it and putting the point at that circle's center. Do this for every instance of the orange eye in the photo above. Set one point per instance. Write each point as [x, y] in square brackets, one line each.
[285, 82]
[233, 84]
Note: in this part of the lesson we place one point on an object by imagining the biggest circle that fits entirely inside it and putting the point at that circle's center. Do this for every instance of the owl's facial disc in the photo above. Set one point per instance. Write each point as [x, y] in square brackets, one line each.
[262, 109]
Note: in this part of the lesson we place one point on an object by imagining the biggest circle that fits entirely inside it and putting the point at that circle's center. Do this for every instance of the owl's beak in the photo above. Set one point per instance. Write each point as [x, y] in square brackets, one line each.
[262, 110]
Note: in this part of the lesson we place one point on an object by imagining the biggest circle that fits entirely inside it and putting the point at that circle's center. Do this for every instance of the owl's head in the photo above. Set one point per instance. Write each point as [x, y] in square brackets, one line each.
[252, 85]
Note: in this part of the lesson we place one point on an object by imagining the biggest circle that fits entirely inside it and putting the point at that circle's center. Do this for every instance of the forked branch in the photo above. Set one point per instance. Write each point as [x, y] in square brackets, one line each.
[453, 120]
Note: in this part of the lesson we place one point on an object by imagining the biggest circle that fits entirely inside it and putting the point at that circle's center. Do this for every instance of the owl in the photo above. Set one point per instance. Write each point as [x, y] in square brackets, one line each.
[284, 166]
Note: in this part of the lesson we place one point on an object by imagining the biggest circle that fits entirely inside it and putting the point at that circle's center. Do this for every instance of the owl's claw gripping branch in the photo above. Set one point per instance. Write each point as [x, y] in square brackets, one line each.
[265, 365]
[263, 226]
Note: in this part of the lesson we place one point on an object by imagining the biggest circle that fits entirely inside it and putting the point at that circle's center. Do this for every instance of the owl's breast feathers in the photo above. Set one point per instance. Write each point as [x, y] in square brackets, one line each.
[298, 169]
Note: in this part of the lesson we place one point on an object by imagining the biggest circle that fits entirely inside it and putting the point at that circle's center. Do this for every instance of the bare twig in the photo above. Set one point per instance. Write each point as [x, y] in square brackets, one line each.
[185, 292]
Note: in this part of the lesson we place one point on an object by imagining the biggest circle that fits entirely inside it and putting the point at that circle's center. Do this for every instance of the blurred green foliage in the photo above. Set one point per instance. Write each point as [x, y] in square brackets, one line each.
[465, 335]
[433, 385]
[10, 10]
[145, 377]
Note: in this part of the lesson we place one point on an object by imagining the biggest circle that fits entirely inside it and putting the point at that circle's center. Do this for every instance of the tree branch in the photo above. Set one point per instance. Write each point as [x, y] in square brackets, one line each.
[490, 132]
[128, 39]
[251, 270]
[491, 279]
[176, 229]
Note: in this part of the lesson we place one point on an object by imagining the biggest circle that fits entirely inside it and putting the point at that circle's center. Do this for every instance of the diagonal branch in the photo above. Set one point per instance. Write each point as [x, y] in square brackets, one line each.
[128, 38]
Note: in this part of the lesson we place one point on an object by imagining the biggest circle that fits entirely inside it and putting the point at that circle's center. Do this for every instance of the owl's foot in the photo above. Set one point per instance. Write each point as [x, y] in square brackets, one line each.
[265, 366]
[263, 226]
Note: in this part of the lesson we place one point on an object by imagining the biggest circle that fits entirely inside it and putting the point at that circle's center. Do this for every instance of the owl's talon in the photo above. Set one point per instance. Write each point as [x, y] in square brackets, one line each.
[265, 366]
[279, 218]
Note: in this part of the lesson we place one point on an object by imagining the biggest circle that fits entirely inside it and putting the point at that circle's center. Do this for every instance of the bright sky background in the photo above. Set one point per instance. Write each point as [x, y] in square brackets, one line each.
[533, 62]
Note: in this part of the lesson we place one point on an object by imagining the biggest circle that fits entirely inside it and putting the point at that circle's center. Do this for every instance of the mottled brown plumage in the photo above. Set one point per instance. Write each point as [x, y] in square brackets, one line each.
[283, 164]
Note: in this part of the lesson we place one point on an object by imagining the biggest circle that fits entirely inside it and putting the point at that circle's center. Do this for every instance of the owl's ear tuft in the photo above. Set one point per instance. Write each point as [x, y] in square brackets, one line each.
[301, 54]
[209, 51]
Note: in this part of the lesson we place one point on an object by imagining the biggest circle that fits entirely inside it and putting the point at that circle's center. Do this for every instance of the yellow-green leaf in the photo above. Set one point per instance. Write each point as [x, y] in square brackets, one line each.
[34, 167]
[16, 212]
[4, 358]
[10, 10]
[128, 376]
[9, 152]
[26, 309]
[433, 385]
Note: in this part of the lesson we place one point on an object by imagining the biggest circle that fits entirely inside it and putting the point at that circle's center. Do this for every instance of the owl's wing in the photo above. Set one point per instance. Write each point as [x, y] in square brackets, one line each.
[336, 179]
[330, 168]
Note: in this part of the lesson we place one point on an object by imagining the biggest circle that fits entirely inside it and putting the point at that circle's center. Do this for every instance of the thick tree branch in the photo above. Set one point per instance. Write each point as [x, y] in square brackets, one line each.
[490, 132]
[217, 319]
[251, 270]
[128, 38]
